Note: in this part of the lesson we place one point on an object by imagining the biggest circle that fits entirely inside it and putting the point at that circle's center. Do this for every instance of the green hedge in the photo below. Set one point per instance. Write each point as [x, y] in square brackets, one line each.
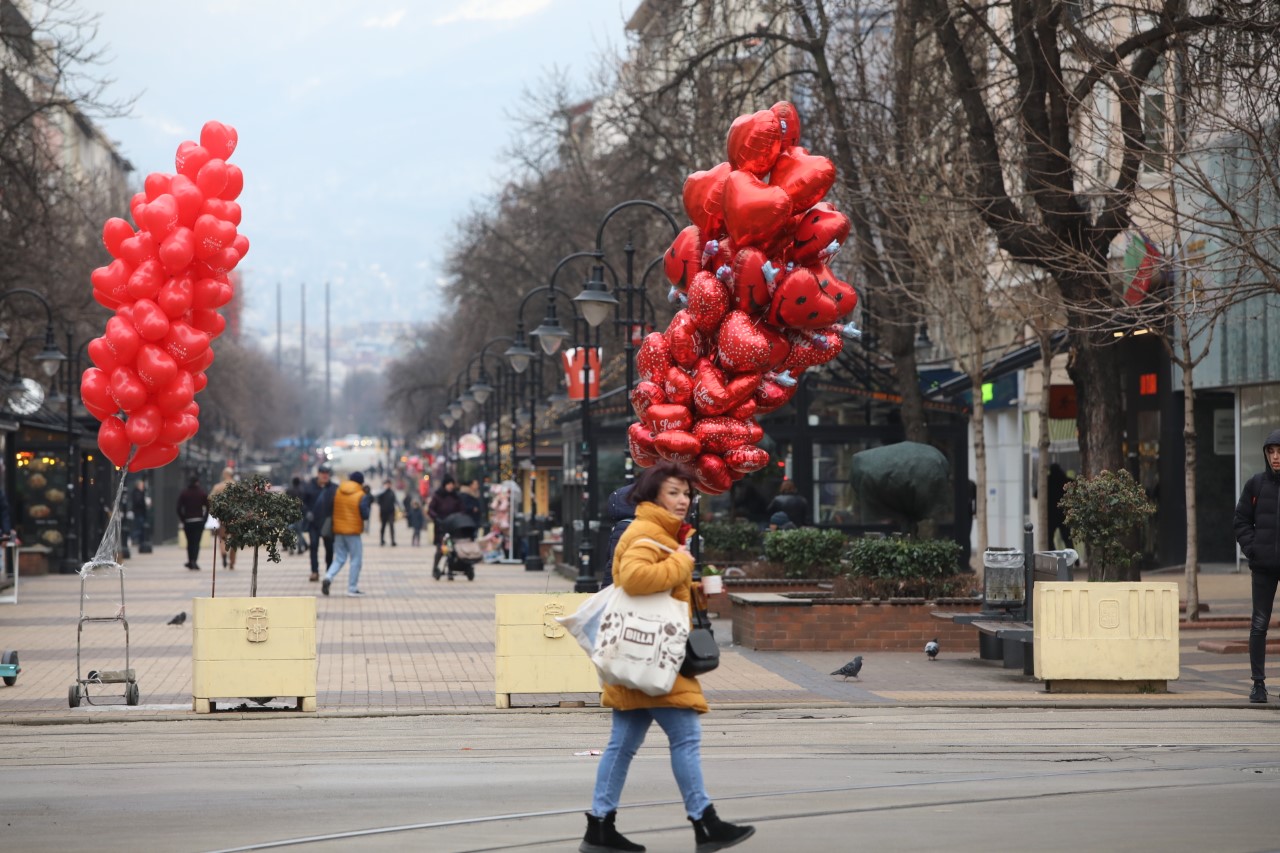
[806, 552]
[901, 558]
[729, 538]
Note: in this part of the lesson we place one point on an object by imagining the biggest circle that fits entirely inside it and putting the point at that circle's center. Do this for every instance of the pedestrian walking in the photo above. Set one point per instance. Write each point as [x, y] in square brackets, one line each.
[139, 503]
[1257, 527]
[387, 505]
[351, 507]
[444, 502]
[297, 490]
[1058, 480]
[621, 511]
[652, 557]
[317, 510]
[228, 559]
[416, 518]
[193, 510]
[790, 501]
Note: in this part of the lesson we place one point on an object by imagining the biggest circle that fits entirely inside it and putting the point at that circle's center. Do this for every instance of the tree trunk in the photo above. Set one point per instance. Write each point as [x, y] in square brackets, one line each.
[1096, 370]
[253, 578]
[1189, 482]
[901, 339]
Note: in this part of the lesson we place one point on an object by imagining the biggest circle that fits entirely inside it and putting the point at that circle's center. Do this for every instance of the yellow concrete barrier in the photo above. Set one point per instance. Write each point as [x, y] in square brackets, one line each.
[253, 648]
[534, 653]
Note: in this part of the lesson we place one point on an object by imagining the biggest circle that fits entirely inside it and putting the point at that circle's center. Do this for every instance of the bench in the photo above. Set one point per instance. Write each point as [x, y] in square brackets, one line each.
[1016, 643]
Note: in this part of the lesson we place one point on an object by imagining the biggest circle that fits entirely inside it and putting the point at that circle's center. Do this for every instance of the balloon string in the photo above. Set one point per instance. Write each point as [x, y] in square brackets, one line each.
[105, 556]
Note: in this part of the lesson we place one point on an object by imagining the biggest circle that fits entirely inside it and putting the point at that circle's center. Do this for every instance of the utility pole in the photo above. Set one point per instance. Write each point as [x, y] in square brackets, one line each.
[328, 385]
[279, 326]
[303, 341]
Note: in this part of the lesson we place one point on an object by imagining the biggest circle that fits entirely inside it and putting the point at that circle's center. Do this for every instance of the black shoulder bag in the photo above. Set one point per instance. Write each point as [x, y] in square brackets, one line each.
[701, 652]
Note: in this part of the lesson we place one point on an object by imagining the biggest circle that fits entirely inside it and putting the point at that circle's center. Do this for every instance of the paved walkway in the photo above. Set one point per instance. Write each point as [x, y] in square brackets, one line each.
[416, 645]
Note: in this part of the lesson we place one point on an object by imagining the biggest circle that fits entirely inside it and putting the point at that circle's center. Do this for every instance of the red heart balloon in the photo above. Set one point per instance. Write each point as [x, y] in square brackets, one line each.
[704, 199]
[772, 395]
[839, 292]
[820, 232]
[812, 348]
[721, 434]
[192, 409]
[109, 283]
[744, 345]
[161, 215]
[712, 474]
[678, 387]
[677, 445]
[235, 183]
[212, 236]
[113, 441]
[200, 380]
[190, 158]
[799, 303]
[155, 185]
[241, 245]
[212, 177]
[753, 210]
[684, 257]
[138, 248]
[143, 426]
[152, 323]
[224, 261]
[640, 443]
[750, 281]
[177, 396]
[101, 354]
[708, 302]
[175, 297]
[177, 250]
[185, 343]
[211, 293]
[178, 428]
[153, 456]
[145, 281]
[210, 322]
[95, 391]
[644, 395]
[754, 142]
[218, 138]
[228, 211]
[653, 358]
[129, 392]
[199, 364]
[746, 459]
[685, 343]
[745, 410]
[189, 198]
[123, 339]
[789, 122]
[712, 395]
[155, 367]
[806, 177]
[114, 232]
[661, 417]
[755, 432]
[137, 205]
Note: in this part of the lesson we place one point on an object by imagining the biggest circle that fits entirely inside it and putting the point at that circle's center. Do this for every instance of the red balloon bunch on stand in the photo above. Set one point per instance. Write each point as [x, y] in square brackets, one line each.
[166, 284]
[760, 303]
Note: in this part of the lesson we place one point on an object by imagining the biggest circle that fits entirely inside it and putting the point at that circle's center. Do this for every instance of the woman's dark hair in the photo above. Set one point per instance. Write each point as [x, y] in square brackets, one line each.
[787, 488]
[651, 479]
[448, 480]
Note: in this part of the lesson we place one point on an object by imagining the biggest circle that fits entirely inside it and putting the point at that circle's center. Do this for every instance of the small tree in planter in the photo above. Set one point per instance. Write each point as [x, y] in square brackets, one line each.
[806, 552]
[1103, 512]
[256, 517]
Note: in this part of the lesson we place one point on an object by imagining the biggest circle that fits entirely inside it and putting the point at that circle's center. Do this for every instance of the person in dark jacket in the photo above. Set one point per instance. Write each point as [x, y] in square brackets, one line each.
[621, 511]
[444, 502]
[1058, 480]
[791, 502]
[1257, 526]
[387, 503]
[193, 509]
[317, 505]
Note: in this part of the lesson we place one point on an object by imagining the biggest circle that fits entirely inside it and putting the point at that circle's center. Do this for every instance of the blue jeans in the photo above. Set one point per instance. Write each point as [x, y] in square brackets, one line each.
[347, 545]
[684, 734]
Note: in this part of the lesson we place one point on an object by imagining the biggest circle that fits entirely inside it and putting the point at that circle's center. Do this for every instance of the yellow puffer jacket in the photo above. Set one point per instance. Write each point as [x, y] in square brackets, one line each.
[642, 568]
[346, 509]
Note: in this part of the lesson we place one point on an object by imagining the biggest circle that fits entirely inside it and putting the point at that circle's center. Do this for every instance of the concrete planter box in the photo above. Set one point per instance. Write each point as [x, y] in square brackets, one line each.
[1106, 637]
[534, 653]
[774, 622]
[249, 648]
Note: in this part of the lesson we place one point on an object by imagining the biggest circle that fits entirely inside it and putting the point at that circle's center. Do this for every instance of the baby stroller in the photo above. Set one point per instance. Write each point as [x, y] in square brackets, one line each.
[460, 547]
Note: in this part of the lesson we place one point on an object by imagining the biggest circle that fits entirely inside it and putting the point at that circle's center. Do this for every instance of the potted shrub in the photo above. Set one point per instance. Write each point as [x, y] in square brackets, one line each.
[254, 647]
[902, 568]
[1113, 632]
[806, 552]
[729, 541]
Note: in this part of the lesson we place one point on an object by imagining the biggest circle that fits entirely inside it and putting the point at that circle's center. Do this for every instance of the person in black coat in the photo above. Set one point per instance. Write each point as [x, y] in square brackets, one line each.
[317, 505]
[1058, 480]
[387, 503]
[1257, 527]
[791, 502]
[445, 501]
[621, 511]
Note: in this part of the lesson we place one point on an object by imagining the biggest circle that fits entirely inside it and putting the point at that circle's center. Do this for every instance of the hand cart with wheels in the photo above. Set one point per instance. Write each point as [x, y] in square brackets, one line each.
[79, 692]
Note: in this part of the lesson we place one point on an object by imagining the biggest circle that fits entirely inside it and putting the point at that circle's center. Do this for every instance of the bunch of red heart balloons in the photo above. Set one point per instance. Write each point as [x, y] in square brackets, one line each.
[166, 284]
[760, 304]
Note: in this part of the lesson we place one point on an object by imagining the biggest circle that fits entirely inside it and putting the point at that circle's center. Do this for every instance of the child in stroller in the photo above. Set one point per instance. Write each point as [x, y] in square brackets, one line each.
[460, 547]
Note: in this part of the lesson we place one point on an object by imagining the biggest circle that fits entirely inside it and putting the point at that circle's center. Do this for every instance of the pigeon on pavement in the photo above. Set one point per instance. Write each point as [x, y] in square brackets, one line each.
[931, 648]
[179, 619]
[852, 668]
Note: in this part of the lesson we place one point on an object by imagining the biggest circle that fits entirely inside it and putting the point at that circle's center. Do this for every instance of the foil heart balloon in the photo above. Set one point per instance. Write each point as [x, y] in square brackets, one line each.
[806, 177]
[155, 367]
[704, 199]
[750, 281]
[746, 410]
[685, 343]
[129, 392]
[717, 257]
[113, 441]
[644, 395]
[653, 357]
[789, 121]
[712, 395]
[744, 345]
[753, 210]
[839, 292]
[746, 459]
[143, 426]
[755, 433]
[712, 474]
[721, 434]
[640, 443]
[802, 301]
[754, 142]
[771, 395]
[708, 302]
[678, 387]
[664, 416]
[809, 349]
[820, 232]
[677, 445]
[684, 257]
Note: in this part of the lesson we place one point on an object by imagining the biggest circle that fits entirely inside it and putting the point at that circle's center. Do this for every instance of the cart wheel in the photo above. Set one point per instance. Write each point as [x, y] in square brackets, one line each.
[471, 573]
[10, 657]
[132, 695]
[73, 696]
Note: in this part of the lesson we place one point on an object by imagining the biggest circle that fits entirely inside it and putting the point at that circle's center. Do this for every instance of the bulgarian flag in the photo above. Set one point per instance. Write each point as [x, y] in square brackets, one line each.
[1141, 263]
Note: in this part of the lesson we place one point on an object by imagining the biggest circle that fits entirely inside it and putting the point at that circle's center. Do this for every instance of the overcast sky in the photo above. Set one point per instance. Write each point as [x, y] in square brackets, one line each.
[367, 127]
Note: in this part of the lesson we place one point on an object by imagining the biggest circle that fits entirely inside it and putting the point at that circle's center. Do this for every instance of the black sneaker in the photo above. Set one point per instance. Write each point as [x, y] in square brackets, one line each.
[1259, 693]
[324, 587]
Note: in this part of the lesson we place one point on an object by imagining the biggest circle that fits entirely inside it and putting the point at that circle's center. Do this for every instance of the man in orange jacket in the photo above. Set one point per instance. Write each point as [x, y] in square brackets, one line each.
[350, 510]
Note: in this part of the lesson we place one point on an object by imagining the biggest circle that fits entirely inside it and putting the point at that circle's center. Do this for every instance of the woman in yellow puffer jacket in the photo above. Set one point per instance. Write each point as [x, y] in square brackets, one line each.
[653, 557]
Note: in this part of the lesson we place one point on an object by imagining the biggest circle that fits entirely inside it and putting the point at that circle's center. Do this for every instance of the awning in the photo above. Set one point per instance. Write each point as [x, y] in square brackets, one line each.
[1019, 359]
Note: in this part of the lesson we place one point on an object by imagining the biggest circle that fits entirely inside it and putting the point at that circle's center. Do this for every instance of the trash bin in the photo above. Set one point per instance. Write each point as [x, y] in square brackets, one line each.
[1004, 578]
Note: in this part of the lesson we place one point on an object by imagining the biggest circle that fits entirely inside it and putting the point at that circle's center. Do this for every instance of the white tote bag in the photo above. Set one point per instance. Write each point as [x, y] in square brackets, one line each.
[641, 641]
